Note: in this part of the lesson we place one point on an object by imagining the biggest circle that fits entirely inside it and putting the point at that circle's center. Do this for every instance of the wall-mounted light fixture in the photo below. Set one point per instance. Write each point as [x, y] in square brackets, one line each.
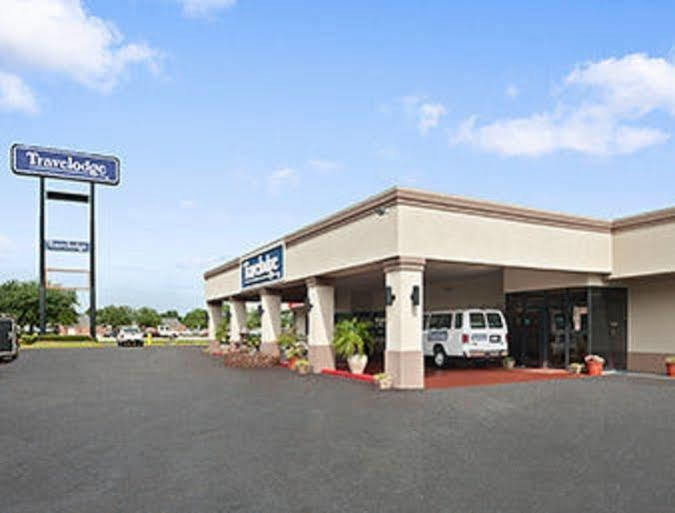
[261, 310]
[415, 296]
[309, 306]
[228, 315]
[389, 296]
[380, 211]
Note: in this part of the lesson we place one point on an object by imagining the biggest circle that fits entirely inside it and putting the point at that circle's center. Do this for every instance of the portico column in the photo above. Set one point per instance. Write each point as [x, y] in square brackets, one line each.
[321, 312]
[271, 321]
[403, 358]
[237, 319]
[215, 309]
[300, 322]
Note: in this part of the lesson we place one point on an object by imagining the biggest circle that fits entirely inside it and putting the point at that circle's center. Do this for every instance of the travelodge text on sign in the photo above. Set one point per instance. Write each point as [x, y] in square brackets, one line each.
[265, 267]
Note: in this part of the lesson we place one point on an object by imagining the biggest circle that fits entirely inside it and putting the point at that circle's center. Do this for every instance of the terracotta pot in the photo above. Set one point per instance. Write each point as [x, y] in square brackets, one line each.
[291, 363]
[594, 368]
[670, 369]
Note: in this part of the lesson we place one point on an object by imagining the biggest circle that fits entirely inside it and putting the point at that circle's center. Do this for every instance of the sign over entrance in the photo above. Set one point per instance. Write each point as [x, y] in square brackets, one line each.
[64, 164]
[267, 266]
[73, 246]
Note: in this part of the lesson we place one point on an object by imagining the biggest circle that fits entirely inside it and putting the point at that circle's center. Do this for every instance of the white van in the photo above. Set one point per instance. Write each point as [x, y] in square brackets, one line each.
[472, 333]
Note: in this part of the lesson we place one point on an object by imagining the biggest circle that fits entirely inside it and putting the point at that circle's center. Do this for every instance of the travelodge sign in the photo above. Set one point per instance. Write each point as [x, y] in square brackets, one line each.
[264, 267]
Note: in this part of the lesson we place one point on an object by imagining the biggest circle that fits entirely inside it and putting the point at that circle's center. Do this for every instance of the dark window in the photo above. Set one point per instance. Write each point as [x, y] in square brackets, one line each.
[494, 320]
[440, 321]
[477, 320]
[459, 316]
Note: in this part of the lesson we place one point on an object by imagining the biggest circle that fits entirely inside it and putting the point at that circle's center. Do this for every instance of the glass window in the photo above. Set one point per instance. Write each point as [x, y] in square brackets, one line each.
[495, 320]
[440, 321]
[459, 316]
[477, 320]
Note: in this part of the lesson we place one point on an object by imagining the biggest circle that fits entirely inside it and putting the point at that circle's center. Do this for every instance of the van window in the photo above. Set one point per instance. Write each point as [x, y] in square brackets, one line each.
[440, 321]
[494, 320]
[458, 319]
[477, 320]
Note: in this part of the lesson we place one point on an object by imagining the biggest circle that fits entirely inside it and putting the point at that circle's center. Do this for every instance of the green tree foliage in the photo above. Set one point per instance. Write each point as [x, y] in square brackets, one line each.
[170, 314]
[196, 319]
[287, 319]
[116, 316]
[20, 299]
[253, 320]
[148, 317]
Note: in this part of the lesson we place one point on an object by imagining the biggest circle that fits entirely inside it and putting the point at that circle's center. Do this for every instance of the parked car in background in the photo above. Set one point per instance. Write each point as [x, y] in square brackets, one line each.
[130, 336]
[474, 333]
[9, 339]
[165, 330]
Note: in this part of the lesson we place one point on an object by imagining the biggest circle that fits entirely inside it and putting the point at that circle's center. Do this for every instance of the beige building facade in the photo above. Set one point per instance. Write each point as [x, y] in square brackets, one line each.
[569, 285]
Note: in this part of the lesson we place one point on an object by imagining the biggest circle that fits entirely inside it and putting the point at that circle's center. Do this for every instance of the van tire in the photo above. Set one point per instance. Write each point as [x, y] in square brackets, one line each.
[440, 358]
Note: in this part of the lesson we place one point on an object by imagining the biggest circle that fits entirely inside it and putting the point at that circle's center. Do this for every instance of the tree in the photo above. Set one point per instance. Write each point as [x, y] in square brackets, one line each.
[196, 319]
[147, 317]
[253, 320]
[21, 299]
[170, 314]
[116, 316]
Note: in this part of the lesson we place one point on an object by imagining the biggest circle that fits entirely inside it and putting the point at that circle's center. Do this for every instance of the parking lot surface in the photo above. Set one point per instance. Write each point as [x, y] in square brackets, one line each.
[171, 430]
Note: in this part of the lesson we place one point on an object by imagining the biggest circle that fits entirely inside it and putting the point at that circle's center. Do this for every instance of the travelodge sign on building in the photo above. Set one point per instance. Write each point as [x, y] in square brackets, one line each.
[264, 267]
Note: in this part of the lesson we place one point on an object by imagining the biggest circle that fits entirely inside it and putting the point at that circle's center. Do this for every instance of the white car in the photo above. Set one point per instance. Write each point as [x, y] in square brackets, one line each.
[130, 336]
[166, 331]
[9, 339]
[474, 333]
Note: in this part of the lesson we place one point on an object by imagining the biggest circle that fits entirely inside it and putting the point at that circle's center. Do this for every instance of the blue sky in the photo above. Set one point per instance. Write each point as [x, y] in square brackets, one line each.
[237, 122]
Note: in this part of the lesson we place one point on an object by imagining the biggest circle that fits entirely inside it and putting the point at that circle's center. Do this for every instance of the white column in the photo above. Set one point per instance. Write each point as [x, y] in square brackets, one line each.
[321, 305]
[403, 355]
[271, 321]
[237, 319]
[300, 322]
[215, 310]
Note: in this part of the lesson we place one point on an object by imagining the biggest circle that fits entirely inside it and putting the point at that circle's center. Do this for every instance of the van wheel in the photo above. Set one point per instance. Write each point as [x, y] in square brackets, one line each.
[440, 358]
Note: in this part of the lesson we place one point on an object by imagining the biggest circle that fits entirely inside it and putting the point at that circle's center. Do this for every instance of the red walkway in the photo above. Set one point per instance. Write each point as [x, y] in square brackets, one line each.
[490, 376]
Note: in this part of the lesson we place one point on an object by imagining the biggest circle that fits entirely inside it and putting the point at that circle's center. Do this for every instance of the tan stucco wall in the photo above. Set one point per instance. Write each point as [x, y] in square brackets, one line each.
[365, 240]
[651, 314]
[518, 280]
[445, 235]
[645, 250]
[483, 290]
[222, 285]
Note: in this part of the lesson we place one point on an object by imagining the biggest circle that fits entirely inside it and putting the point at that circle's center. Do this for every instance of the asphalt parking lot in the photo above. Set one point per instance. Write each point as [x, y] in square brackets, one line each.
[171, 430]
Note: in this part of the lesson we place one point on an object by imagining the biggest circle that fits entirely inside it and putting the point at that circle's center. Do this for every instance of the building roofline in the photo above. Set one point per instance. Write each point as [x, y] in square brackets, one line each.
[462, 205]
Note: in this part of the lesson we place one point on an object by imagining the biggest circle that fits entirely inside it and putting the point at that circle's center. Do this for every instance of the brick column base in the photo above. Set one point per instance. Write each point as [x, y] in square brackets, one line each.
[271, 348]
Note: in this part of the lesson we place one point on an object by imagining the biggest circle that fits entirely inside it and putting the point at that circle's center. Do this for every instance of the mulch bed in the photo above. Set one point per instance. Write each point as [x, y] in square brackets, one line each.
[244, 359]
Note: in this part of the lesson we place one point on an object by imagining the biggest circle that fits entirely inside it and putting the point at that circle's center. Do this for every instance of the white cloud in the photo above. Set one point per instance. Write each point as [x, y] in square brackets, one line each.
[429, 116]
[609, 99]
[324, 165]
[282, 177]
[6, 245]
[512, 91]
[61, 36]
[197, 8]
[15, 95]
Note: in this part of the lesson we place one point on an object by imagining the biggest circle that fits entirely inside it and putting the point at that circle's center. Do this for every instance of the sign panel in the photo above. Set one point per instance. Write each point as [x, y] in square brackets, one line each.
[267, 266]
[72, 246]
[64, 164]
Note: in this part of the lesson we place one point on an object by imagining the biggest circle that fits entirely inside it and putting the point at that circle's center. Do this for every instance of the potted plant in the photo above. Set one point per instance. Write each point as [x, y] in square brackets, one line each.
[302, 366]
[353, 341]
[670, 366]
[383, 380]
[594, 364]
[509, 362]
[286, 341]
[576, 368]
[294, 353]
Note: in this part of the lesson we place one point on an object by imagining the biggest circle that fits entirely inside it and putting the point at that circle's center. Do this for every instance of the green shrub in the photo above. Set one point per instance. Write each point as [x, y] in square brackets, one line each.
[353, 337]
[63, 338]
[28, 339]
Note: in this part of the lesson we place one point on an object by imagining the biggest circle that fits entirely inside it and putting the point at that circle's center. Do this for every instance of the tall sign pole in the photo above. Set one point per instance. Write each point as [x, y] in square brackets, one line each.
[43, 265]
[92, 260]
[41, 162]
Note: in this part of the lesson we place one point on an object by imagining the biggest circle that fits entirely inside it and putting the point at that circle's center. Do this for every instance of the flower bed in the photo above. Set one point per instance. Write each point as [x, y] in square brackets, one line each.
[244, 359]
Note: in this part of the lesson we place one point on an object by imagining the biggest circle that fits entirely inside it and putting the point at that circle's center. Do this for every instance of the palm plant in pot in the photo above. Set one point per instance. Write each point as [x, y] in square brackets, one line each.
[287, 340]
[353, 340]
